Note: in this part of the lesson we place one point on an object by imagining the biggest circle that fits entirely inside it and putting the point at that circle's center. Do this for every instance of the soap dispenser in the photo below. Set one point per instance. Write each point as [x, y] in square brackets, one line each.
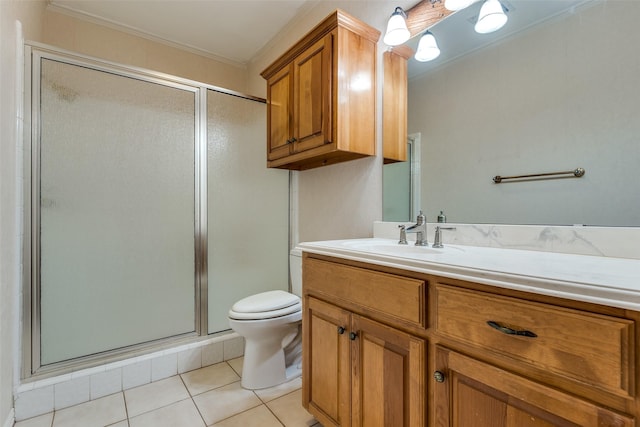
[442, 217]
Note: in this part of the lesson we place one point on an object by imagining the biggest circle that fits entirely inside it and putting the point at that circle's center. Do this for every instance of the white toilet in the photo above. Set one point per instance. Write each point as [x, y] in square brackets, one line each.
[270, 323]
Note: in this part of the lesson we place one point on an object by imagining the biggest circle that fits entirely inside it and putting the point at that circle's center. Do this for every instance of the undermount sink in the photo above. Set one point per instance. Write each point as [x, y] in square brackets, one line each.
[391, 247]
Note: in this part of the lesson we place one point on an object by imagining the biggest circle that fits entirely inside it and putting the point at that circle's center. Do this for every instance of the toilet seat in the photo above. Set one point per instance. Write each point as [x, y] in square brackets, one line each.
[266, 305]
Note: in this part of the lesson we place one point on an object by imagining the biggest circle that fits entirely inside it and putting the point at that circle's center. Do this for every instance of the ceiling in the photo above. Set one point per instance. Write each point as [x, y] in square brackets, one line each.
[233, 31]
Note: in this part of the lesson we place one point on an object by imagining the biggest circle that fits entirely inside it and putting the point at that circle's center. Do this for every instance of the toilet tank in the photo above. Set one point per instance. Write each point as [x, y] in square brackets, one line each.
[295, 271]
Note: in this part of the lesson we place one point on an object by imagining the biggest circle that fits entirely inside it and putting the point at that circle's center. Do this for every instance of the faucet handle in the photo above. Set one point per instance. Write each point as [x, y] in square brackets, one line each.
[437, 240]
[403, 235]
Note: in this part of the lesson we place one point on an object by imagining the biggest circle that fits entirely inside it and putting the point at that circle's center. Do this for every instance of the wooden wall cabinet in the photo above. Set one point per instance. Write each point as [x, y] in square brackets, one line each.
[321, 96]
[497, 357]
[395, 104]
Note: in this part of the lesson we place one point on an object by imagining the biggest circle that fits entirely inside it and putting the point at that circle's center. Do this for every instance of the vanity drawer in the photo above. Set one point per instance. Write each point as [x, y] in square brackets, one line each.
[592, 349]
[393, 296]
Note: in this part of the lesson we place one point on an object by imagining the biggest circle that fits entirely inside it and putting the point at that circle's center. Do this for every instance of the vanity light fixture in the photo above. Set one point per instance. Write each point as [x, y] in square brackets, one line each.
[427, 48]
[491, 17]
[397, 31]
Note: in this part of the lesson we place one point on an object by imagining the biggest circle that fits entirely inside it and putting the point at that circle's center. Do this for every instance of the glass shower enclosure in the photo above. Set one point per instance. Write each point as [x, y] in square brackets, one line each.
[150, 209]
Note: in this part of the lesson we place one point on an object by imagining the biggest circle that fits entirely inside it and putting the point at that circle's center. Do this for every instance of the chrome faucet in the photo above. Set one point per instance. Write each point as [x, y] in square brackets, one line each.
[420, 228]
[437, 240]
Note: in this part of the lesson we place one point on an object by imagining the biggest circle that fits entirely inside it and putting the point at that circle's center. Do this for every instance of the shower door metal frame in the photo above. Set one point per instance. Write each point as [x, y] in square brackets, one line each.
[34, 53]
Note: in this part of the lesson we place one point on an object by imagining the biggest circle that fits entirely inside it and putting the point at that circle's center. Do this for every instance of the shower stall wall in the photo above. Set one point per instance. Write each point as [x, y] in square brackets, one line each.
[151, 210]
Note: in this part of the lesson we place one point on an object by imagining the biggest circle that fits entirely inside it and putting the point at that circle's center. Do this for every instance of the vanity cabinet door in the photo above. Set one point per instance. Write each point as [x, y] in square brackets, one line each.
[471, 393]
[326, 363]
[388, 386]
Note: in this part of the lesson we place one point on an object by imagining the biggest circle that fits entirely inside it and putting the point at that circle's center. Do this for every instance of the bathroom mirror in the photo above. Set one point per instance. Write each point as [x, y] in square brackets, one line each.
[553, 94]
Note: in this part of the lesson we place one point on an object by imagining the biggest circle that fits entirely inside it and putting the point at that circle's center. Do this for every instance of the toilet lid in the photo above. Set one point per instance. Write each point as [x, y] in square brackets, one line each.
[265, 305]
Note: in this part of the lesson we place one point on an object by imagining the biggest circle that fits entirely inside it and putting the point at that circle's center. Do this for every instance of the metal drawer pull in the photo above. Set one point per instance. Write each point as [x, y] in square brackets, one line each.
[341, 330]
[509, 331]
[353, 336]
[438, 376]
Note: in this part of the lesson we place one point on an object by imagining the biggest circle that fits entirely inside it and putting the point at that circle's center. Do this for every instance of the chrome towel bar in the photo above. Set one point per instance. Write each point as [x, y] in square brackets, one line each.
[576, 173]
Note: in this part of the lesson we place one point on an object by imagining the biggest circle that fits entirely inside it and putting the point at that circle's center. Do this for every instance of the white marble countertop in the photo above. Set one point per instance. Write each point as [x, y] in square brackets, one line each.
[601, 280]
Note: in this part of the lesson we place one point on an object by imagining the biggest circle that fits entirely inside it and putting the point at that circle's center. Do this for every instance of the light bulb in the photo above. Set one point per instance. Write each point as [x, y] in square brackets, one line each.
[427, 48]
[397, 31]
[491, 17]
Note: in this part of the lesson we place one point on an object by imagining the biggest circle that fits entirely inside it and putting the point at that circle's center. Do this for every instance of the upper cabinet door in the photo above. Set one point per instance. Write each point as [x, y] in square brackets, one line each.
[279, 93]
[312, 96]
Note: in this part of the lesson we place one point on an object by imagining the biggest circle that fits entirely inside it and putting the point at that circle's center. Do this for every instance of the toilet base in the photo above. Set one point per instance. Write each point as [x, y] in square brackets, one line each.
[264, 367]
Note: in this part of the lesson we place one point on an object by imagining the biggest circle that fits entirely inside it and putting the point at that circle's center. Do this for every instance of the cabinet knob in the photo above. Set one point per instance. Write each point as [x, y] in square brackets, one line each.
[438, 376]
[341, 330]
[353, 336]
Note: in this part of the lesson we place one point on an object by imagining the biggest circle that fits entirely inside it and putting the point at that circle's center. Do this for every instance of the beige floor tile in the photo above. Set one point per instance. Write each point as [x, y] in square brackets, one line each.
[179, 414]
[259, 416]
[268, 394]
[208, 378]
[155, 395]
[41, 421]
[100, 412]
[124, 423]
[290, 412]
[224, 402]
[236, 364]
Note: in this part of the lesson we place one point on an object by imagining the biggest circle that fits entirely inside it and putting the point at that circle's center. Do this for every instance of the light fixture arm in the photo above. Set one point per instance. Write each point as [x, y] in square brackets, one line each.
[424, 15]
[399, 11]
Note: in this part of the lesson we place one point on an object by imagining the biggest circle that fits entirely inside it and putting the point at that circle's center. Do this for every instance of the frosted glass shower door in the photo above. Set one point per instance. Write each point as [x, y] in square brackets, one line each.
[248, 207]
[117, 211]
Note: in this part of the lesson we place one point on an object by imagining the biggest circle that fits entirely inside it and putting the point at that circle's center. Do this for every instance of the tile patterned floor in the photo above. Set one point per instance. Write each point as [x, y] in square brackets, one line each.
[211, 396]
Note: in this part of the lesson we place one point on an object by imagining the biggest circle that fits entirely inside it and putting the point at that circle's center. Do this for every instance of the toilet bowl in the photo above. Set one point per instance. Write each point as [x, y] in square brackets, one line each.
[270, 323]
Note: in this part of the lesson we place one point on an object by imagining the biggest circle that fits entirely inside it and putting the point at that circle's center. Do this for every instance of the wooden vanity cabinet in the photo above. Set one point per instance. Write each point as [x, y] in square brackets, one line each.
[358, 371]
[497, 357]
[321, 96]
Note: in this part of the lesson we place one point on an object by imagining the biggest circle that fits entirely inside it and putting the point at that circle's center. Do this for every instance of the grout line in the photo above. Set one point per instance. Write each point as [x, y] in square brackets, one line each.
[185, 386]
[199, 412]
[231, 366]
[246, 410]
[273, 413]
[193, 401]
[126, 408]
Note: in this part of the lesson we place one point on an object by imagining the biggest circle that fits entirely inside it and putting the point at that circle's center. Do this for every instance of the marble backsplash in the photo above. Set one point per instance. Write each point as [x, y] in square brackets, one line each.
[618, 242]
